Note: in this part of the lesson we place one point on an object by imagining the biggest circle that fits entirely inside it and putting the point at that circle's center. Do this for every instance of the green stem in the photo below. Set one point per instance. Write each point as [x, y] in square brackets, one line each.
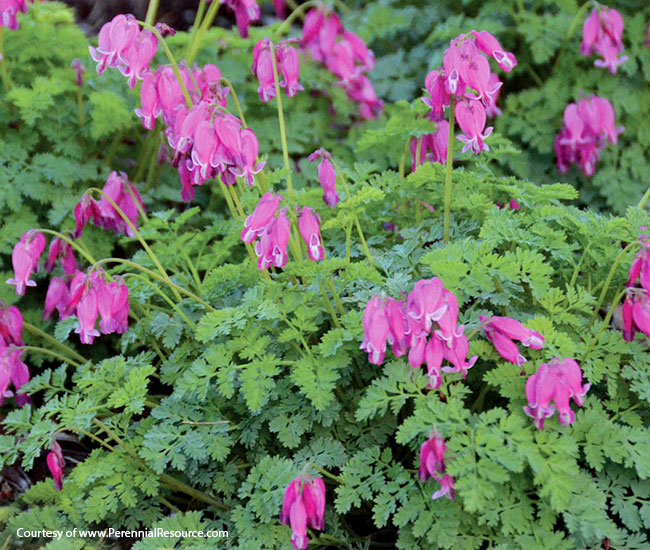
[576, 271]
[156, 276]
[171, 58]
[205, 25]
[348, 235]
[80, 107]
[152, 11]
[45, 336]
[138, 236]
[235, 99]
[402, 160]
[297, 12]
[610, 276]
[72, 243]
[329, 307]
[6, 80]
[48, 352]
[327, 474]
[605, 323]
[363, 241]
[283, 133]
[644, 199]
[164, 297]
[450, 161]
[418, 215]
[200, 12]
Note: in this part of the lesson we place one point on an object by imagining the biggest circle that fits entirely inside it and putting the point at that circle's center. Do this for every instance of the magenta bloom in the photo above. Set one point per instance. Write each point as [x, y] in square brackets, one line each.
[432, 465]
[425, 303]
[24, 258]
[121, 44]
[376, 330]
[309, 225]
[588, 126]
[151, 108]
[471, 118]
[87, 312]
[433, 147]
[261, 217]
[345, 55]
[560, 380]
[303, 505]
[271, 248]
[490, 46]
[434, 354]
[245, 12]
[9, 10]
[12, 371]
[603, 31]
[11, 326]
[56, 463]
[288, 67]
[501, 331]
[326, 176]
[113, 306]
[61, 250]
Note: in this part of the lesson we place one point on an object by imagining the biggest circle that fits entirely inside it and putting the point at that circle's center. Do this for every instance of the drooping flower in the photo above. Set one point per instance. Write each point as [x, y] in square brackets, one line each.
[263, 214]
[287, 66]
[303, 505]
[309, 225]
[13, 371]
[603, 31]
[79, 71]
[326, 176]
[432, 465]
[9, 9]
[246, 11]
[471, 118]
[433, 147]
[559, 380]
[24, 258]
[376, 330]
[87, 312]
[271, 248]
[57, 297]
[11, 326]
[501, 331]
[113, 306]
[61, 250]
[56, 463]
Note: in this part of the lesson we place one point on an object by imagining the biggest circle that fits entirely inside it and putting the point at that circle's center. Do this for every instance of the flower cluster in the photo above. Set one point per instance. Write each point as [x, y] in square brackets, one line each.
[12, 369]
[603, 31]
[560, 380]
[408, 325]
[273, 232]
[432, 464]
[466, 76]
[501, 331]
[588, 126]
[207, 141]
[9, 10]
[326, 176]
[121, 44]
[287, 65]
[433, 147]
[303, 506]
[87, 296]
[345, 55]
[636, 307]
[118, 190]
[56, 463]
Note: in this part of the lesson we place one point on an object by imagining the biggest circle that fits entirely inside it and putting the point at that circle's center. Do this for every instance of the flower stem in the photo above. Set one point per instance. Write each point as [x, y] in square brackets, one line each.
[6, 80]
[610, 276]
[450, 161]
[329, 307]
[327, 474]
[605, 323]
[152, 11]
[283, 133]
[172, 60]
[48, 352]
[205, 25]
[80, 106]
[45, 336]
[72, 243]
[164, 297]
[644, 199]
[198, 19]
[297, 12]
[235, 99]
[138, 236]
[156, 276]
[418, 215]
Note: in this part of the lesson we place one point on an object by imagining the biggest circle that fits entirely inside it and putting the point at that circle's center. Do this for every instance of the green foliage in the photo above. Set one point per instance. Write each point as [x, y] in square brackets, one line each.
[230, 383]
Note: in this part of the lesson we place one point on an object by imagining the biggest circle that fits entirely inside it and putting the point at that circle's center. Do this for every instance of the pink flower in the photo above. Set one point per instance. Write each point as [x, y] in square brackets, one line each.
[425, 303]
[263, 69]
[60, 249]
[115, 38]
[288, 66]
[12, 371]
[326, 176]
[138, 57]
[490, 46]
[309, 225]
[398, 326]
[470, 116]
[79, 71]
[494, 84]
[303, 505]
[280, 7]
[24, 258]
[438, 95]
[248, 166]
[456, 354]
[57, 297]
[376, 330]
[603, 31]
[433, 147]
[113, 306]
[432, 465]
[56, 463]
[245, 12]
[501, 331]
[87, 311]
[261, 217]
[9, 9]
[11, 326]
[151, 108]
[271, 249]
[434, 354]
[560, 380]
